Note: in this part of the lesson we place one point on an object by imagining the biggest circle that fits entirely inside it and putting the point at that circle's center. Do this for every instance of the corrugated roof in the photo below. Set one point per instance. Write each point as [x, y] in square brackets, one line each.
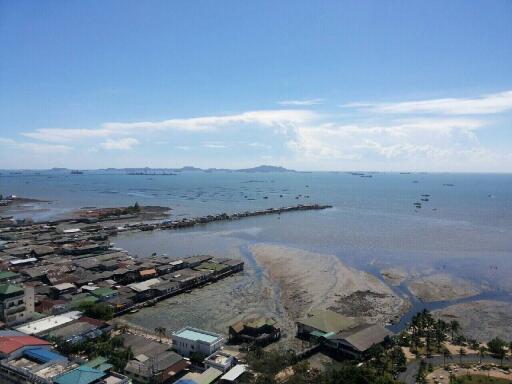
[327, 321]
[80, 375]
[43, 355]
[7, 289]
[9, 344]
[364, 336]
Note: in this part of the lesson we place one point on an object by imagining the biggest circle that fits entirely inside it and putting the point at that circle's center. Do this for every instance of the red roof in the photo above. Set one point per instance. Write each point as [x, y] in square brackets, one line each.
[90, 320]
[9, 344]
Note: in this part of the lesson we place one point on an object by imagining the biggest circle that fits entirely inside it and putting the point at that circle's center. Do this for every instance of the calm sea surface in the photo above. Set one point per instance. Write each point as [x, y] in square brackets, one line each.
[465, 227]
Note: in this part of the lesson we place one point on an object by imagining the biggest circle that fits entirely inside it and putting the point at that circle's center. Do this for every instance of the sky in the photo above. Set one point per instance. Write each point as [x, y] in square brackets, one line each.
[310, 85]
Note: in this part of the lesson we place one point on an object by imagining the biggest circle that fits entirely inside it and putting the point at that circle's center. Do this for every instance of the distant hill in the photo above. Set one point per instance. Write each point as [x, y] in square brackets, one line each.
[266, 168]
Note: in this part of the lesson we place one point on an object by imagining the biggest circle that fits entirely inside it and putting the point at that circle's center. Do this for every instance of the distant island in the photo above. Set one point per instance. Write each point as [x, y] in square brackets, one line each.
[152, 171]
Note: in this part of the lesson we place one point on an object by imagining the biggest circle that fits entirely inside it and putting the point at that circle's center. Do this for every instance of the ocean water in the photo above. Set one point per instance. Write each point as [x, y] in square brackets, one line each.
[465, 227]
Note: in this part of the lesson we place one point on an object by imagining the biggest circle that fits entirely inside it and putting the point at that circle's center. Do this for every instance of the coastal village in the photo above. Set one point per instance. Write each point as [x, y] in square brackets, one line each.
[64, 288]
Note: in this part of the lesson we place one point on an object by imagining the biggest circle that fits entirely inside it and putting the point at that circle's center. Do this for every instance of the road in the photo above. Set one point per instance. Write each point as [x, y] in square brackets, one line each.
[409, 376]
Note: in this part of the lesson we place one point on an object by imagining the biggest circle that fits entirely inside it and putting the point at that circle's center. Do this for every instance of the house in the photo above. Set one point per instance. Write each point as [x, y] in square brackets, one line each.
[16, 303]
[320, 322]
[45, 325]
[57, 291]
[234, 374]
[220, 360]
[211, 375]
[87, 375]
[83, 329]
[359, 339]
[33, 365]
[103, 294]
[13, 343]
[258, 330]
[189, 340]
[153, 361]
[165, 367]
[9, 277]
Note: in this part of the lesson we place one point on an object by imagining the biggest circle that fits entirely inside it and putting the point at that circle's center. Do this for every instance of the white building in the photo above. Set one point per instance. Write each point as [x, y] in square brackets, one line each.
[44, 325]
[189, 340]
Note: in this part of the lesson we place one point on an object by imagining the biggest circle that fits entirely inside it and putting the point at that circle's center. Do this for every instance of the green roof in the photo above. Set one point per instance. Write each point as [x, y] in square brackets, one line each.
[100, 363]
[7, 289]
[100, 292]
[4, 275]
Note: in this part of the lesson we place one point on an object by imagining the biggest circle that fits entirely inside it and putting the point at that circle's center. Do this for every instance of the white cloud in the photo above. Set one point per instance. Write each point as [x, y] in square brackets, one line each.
[301, 102]
[37, 148]
[485, 104]
[214, 145]
[120, 144]
[281, 118]
[63, 135]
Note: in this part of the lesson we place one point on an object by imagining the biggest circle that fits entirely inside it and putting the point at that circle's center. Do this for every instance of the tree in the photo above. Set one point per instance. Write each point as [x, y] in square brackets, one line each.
[482, 350]
[496, 346]
[123, 328]
[462, 352]
[454, 328]
[101, 311]
[161, 332]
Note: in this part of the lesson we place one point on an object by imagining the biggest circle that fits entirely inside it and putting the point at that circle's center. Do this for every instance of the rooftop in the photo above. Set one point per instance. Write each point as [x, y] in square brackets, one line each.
[80, 375]
[9, 344]
[8, 289]
[327, 321]
[48, 323]
[195, 334]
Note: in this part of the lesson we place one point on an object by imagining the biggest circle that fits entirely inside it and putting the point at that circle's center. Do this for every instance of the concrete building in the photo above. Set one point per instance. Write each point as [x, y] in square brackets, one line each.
[190, 340]
[16, 303]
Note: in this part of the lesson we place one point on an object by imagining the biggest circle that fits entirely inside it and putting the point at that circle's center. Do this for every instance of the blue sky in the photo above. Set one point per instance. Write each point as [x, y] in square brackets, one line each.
[331, 85]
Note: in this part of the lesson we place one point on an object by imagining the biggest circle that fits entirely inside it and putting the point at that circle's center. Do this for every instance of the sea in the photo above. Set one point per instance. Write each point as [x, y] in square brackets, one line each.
[453, 223]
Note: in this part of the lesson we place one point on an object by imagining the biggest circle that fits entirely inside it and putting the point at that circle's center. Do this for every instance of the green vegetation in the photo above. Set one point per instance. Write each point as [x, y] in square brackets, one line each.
[100, 311]
[269, 364]
[109, 347]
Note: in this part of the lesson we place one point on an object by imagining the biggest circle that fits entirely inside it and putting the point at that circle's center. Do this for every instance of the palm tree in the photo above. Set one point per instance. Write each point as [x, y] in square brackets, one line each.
[161, 331]
[462, 352]
[454, 327]
[481, 352]
[446, 353]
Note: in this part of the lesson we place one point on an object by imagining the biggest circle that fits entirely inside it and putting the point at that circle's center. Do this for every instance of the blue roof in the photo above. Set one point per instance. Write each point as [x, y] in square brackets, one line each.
[186, 381]
[43, 355]
[80, 375]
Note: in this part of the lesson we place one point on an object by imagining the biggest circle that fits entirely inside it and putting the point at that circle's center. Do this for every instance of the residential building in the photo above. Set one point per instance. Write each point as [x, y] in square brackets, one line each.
[220, 360]
[190, 340]
[211, 375]
[16, 303]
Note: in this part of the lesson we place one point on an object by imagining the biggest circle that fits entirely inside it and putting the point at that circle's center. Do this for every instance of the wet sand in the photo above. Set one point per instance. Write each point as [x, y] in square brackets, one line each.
[309, 280]
[482, 319]
[442, 287]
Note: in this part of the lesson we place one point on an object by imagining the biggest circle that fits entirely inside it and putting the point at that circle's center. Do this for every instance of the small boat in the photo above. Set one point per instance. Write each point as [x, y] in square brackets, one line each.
[134, 310]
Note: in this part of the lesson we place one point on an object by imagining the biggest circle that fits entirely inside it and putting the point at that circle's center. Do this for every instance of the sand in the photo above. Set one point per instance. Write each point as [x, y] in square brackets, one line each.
[307, 280]
[441, 287]
[481, 319]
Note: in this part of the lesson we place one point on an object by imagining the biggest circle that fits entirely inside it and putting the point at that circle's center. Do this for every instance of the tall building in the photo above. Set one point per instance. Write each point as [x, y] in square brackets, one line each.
[16, 303]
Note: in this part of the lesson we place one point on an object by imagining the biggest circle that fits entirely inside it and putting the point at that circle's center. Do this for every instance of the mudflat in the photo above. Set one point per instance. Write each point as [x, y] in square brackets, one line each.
[481, 319]
[441, 287]
[309, 280]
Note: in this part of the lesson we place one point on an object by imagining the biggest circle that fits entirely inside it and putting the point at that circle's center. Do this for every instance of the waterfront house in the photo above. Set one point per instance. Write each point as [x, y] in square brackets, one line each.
[189, 340]
[319, 322]
[258, 330]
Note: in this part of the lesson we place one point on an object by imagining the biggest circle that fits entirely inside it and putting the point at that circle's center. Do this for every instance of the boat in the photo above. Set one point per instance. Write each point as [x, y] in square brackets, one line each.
[134, 310]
